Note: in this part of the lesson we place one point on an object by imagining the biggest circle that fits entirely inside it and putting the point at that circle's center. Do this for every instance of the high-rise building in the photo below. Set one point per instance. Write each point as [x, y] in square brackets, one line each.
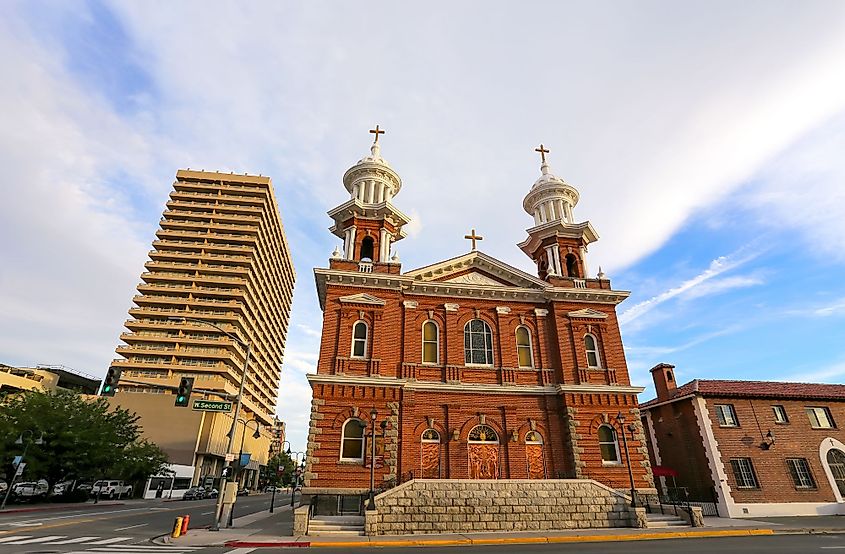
[220, 258]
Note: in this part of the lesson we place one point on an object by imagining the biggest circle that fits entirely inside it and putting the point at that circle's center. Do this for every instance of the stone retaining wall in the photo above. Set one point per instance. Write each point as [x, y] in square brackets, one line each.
[467, 506]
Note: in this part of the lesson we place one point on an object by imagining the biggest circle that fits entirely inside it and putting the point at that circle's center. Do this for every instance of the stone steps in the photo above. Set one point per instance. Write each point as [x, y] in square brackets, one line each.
[665, 520]
[336, 526]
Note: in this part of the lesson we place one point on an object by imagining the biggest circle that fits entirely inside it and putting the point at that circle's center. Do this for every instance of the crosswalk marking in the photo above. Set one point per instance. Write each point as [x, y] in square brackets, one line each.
[75, 540]
[112, 540]
[38, 539]
[14, 538]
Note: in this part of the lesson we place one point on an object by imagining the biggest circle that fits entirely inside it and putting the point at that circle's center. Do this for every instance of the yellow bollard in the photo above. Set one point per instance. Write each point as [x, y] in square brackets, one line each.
[177, 528]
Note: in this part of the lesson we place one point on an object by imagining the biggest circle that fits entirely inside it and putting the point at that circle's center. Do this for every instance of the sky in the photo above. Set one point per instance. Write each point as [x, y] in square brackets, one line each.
[706, 140]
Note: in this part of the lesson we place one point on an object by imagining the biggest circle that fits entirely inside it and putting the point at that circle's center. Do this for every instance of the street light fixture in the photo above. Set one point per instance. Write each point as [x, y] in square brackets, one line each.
[621, 419]
[20, 440]
[221, 495]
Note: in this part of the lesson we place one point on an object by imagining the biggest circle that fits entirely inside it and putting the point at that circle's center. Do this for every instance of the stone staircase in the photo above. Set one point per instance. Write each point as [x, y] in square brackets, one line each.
[336, 526]
[665, 520]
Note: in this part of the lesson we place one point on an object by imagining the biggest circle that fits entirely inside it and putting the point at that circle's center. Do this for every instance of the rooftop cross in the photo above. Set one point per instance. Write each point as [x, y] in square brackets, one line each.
[377, 132]
[473, 237]
[542, 150]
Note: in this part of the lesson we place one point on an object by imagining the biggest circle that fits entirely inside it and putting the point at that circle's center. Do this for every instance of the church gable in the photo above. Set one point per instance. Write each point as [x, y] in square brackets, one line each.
[362, 298]
[477, 268]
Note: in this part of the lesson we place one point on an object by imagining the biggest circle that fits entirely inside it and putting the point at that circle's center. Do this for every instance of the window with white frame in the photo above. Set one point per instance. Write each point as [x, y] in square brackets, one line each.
[359, 340]
[609, 445]
[478, 343]
[523, 347]
[591, 345]
[352, 440]
[820, 417]
[430, 343]
[726, 415]
[799, 469]
[744, 474]
[780, 414]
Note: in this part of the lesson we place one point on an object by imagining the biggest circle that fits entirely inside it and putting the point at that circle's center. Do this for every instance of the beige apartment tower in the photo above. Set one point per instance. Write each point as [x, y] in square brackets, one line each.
[220, 256]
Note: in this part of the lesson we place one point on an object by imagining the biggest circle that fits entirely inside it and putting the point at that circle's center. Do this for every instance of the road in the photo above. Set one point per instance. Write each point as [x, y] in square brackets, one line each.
[105, 529]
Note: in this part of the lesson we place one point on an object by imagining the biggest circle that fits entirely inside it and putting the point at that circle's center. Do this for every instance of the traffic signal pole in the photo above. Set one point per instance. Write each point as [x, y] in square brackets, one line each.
[222, 492]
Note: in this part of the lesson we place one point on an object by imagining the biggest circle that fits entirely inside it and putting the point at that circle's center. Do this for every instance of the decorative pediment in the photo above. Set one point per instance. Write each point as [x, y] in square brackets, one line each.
[477, 268]
[362, 298]
[587, 313]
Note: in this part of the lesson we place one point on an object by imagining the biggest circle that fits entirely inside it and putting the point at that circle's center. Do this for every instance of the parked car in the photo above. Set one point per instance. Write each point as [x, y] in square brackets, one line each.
[30, 490]
[85, 487]
[212, 493]
[194, 493]
[3, 487]
[243, 492]
[62, 488]
[111, 489]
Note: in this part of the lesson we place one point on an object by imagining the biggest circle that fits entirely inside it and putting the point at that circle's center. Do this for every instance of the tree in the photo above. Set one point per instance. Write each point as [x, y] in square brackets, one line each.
[83, 437]
[281, 461]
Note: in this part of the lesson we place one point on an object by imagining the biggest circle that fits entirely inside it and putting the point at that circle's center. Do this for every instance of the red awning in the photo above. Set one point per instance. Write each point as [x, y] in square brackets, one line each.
[663, 471]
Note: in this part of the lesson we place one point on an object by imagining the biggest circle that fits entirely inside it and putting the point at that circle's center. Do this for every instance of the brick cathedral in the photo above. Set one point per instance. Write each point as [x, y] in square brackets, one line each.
[467, 368]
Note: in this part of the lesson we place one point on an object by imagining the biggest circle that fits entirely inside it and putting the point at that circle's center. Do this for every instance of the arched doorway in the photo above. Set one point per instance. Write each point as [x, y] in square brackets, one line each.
[483, 452]
[836, 463]
[430, 454]
[534, 455]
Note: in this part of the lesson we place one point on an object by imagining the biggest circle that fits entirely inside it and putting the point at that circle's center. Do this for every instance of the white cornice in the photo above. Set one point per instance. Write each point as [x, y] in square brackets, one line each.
[588, 313]
[382, 210]
[583, 231]
[362, 298]
[471, 387]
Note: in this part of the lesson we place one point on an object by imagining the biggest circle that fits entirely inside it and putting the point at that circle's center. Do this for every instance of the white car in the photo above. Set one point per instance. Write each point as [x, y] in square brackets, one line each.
[30, 490]
[111, 489]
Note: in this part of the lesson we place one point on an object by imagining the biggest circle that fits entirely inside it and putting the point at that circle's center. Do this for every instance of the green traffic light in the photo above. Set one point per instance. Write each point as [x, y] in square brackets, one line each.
[180, 399]
[107, 388]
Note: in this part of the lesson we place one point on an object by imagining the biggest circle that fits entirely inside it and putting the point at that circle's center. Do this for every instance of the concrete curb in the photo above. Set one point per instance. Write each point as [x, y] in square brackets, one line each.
[501, 541]
[80, 506]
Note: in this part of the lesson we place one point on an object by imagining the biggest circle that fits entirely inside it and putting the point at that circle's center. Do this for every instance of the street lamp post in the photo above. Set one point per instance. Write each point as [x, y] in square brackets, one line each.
[621, 419]
[20, 440]
[255, 435]
[221, 495]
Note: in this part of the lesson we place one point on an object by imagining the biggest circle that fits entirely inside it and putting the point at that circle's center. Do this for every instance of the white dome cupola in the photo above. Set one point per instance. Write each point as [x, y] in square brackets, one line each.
[550, 199]
[372, 180]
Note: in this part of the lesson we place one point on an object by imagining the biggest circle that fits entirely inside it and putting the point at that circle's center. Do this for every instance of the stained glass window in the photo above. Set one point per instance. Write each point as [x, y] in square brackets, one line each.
[483, 433]
[533, 437]
[478, 343]
[430, 343]
[431, 435]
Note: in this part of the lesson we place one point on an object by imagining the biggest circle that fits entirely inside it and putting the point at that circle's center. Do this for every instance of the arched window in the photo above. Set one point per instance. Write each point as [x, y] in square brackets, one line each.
[591, 346]
[483, 434]
[431, 435]
[836, 463]
[359, 340]
[352, 440]
[430, 454]
[609, 445]
[367, 249]
[523, 347]
[430, 343]
[478, 343]
[572, 265]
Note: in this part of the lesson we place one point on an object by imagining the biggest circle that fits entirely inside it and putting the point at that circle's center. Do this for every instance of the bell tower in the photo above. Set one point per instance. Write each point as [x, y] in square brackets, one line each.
[368, 223]
[556, 243]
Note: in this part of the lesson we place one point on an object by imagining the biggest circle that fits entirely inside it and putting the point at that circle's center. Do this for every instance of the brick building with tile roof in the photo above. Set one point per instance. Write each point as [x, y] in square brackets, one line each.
[759, 448]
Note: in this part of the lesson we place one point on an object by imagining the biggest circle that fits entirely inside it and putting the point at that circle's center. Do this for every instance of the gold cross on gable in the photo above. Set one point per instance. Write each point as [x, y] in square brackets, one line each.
[473, 237]
[377, 132]
[542, 150]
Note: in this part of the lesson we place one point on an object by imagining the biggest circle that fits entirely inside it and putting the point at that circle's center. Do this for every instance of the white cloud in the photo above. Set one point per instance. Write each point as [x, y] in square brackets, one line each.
[717, 286]
[833, 308]
[830, 374]
[690, 287]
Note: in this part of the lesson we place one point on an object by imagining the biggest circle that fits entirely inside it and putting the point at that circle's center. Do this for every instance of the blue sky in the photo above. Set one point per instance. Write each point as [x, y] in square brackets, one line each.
[706, 142]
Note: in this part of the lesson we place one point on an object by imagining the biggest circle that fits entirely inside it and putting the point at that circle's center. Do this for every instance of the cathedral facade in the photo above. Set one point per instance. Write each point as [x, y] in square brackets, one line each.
[467, 368]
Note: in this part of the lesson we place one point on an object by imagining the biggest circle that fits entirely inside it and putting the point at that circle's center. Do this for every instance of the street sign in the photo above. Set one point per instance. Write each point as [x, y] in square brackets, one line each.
[21, 467]
[17, 460]
[230, 457]
[211, 406]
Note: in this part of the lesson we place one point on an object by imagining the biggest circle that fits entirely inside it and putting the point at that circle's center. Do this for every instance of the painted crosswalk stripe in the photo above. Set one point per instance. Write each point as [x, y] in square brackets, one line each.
[112, 540]
[75, 540]
[14, 538]
[38, 539]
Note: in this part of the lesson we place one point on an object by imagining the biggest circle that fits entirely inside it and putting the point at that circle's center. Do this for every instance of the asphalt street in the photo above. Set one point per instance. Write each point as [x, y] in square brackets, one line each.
[111, 529]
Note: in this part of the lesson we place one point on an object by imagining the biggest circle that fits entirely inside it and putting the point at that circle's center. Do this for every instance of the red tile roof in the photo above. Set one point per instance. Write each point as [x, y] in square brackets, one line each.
[758, 389]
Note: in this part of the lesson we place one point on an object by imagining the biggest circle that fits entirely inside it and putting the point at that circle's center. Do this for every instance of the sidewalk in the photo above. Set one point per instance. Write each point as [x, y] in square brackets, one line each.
[269, 531]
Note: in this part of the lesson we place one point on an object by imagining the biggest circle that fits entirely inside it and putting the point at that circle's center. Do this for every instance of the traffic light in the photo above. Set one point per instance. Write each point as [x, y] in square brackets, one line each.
[183, 393]
[110, 382]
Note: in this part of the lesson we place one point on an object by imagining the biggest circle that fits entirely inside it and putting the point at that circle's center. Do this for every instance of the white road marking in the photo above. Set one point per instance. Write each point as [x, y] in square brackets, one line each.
[75, 540]
[131, 527]
[206, 513]
[831, 547]
[24, 524]
[14, 538]
[38, 539]
[240, 551]
[112, 540]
